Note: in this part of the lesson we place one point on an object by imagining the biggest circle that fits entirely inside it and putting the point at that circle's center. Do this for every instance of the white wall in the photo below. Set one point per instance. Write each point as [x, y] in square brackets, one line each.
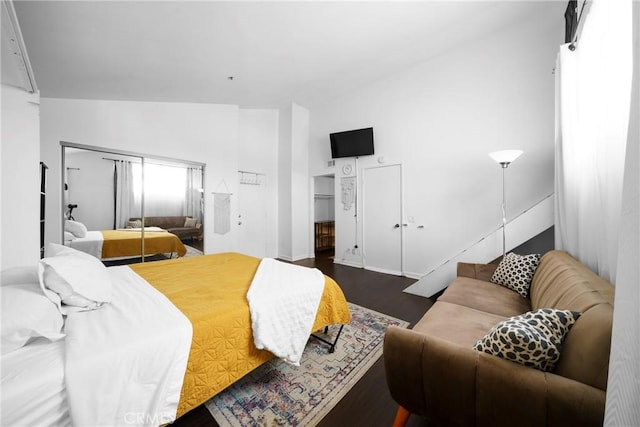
[20, 184]
[294, 186]
[284, 184]
[90, 182]
[324, 185]
[440, 119]
[324, 200]
[198, 132]
[301, 196]
[258, 152]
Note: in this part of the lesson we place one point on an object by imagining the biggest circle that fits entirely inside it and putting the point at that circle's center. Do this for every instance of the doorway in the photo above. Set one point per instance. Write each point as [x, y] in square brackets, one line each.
[382, 219]
[324, 215]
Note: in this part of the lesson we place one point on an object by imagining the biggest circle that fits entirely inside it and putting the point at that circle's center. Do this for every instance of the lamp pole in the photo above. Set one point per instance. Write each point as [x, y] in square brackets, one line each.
[504, 209]
[504, 159]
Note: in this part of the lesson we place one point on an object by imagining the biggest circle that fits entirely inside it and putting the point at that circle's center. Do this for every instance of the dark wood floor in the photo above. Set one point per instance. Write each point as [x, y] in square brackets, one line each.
[369, 402]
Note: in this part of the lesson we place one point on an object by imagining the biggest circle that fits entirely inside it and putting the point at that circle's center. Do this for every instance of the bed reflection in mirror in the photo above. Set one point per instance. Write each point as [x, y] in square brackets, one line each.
[118, 205]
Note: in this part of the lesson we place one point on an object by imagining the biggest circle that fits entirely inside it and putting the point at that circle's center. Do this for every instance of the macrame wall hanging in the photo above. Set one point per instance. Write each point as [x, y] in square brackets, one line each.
[222, 210]
[348, 190]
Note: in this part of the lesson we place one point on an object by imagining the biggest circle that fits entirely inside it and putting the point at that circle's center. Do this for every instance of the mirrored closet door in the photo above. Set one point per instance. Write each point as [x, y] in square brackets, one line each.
[119, 205]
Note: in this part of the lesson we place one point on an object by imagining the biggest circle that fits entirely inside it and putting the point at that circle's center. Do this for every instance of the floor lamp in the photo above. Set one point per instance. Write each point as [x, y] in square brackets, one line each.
[504, 158]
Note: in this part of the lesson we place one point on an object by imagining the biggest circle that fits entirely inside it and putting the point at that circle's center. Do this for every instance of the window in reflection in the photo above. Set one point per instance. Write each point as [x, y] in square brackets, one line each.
[168, 190]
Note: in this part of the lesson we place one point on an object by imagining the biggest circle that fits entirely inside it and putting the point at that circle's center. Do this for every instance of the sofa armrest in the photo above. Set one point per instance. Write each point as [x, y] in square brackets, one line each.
[476, 271]
[455, 385]
[426, 374]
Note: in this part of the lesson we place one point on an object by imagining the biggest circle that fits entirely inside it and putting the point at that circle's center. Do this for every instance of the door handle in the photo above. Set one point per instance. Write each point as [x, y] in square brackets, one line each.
[396, 226]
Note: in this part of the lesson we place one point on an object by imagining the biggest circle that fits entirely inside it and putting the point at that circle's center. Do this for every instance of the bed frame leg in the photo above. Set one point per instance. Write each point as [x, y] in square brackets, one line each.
[332, 345]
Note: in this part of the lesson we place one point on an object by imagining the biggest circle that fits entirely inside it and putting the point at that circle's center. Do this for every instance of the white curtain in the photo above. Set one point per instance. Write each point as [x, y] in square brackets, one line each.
[623, 389]
[593, 92]
[597, 161]
[193, 194]
[124, 194]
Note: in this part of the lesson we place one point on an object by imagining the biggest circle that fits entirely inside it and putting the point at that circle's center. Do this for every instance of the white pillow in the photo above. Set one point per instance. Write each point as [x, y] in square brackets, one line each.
[26, 314]
[19, 275]
[74, 280]
[69, 236]
[76, 228]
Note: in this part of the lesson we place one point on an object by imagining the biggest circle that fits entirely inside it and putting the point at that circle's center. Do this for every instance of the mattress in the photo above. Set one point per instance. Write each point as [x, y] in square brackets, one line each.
[33, 387]
[211, 291]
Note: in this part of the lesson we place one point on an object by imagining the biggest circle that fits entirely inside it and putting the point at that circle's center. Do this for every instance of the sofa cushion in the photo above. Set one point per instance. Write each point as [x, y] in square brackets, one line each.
[165, 222]
[586, 348]
[455, 323]
[532, 339]
[190, 222]
[516, 272]
[485, 296]
[563, 282]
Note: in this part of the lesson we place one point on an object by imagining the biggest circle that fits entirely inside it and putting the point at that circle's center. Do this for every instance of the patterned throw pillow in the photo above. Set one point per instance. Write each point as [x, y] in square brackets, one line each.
[136, 223]
[516, 272]
[532, 339]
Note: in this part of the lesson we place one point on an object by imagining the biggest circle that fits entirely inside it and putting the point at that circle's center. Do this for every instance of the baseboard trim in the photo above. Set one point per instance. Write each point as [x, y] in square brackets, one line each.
[383, 270]
[412, 275]
[347, 263]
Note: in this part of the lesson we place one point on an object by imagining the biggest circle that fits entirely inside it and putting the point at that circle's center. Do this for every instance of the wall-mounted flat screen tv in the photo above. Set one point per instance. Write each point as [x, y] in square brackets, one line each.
[352, 143]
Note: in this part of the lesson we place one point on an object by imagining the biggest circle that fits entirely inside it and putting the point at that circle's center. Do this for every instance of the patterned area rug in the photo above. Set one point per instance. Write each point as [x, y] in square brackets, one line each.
[277, 393]
[191, 251]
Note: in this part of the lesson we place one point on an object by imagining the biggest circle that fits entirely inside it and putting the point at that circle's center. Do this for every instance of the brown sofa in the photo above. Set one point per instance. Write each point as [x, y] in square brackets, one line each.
[432, 370]
[173, 224]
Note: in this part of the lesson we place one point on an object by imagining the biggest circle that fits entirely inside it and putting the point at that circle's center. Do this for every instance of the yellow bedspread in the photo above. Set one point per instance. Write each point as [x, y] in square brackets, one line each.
[211, 291]
[122, 243]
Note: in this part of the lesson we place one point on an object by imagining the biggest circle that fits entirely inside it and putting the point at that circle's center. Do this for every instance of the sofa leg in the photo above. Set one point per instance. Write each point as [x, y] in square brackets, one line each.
[402, 416]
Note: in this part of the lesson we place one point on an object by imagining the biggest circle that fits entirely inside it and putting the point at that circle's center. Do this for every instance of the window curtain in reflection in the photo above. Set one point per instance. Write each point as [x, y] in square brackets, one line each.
[593, 86]
[193, 194]
[124, 194]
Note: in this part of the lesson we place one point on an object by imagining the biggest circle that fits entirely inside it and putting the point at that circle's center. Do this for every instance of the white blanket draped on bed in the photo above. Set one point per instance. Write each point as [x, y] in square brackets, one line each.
[283, 301]
[125, 362]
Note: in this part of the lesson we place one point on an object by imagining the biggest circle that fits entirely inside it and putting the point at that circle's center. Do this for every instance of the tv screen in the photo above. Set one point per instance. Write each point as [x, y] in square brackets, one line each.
[352, 143]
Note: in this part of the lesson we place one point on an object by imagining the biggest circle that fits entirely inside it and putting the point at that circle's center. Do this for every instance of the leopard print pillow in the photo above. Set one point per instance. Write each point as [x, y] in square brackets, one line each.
[532, 339]
[516, 272]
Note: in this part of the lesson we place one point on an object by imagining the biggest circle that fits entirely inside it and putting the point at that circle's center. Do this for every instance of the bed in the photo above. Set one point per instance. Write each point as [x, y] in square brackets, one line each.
[126, 243]
[180, 329]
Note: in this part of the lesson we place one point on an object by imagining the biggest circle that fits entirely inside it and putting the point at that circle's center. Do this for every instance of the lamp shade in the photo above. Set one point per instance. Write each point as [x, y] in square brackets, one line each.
[505, 156]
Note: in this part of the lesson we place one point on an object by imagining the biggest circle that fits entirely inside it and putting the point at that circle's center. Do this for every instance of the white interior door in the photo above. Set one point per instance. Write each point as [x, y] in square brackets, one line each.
[252, 219]
[382, 219]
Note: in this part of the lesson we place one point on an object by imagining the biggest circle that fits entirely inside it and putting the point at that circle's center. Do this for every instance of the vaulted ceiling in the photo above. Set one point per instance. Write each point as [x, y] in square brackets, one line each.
[254, 54]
